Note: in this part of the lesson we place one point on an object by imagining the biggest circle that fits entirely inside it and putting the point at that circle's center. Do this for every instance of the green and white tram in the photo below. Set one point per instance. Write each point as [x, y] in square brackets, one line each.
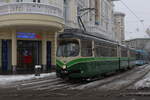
[84, 55]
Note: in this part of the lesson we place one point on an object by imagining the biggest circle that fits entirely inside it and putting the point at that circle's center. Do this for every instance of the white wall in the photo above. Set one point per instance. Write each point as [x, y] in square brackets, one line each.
[105, 20]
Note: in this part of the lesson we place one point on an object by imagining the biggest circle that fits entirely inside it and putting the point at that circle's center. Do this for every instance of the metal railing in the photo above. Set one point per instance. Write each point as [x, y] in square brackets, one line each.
[33, 8]
[95, 29]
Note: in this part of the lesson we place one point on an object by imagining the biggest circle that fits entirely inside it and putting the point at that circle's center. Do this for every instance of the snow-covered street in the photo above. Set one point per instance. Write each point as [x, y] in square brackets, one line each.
[143, 83]
[8, 79]
[124, 83]
[137, 78]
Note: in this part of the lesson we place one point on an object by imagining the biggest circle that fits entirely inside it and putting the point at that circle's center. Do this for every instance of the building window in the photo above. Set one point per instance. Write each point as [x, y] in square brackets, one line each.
[38, 1]
[65, 10]
[19, 0]
[97, 12]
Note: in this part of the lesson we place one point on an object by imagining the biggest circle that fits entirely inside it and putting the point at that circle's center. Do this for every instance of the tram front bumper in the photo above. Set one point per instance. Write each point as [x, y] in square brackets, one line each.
[65, 72]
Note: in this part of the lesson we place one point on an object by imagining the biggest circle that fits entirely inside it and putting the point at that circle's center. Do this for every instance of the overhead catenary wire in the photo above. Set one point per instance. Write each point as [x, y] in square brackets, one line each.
[130, 10]
[138, 18]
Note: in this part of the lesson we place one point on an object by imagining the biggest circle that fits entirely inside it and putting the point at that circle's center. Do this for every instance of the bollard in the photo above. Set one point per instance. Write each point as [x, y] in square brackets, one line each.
[37, 70]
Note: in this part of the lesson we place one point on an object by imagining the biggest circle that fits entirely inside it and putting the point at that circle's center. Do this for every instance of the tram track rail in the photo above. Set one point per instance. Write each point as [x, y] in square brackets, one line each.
[143, 70]
[136, 80]
[49, 85]
[32, 80]
[109, 79]
[124, 90]
[140, 73]
[54, 84]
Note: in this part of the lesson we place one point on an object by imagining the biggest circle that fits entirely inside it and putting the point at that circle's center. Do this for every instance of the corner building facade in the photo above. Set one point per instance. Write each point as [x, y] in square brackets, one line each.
[28, 31]
[98, 19]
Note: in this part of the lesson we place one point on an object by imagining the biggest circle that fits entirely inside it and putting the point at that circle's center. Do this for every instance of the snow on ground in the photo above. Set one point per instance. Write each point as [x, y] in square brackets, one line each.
[144, 83]
[5, 79]
[118, 81]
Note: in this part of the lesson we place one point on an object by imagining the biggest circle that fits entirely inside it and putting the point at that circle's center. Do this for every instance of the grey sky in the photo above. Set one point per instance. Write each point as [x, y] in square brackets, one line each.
[142, 9]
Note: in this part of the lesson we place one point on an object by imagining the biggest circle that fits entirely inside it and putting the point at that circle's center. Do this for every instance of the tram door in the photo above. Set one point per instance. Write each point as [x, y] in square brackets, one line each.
[49, 55]
[28, 53]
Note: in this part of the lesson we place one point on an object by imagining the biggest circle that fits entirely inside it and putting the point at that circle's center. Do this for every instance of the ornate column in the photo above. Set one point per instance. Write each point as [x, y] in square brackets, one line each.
[44, 51]
[14, 50]
[54, 49]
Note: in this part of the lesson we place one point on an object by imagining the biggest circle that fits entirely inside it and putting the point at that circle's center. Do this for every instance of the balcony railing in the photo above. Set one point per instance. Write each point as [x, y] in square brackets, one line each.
[31, 8]
[95, 29]
[100, 30]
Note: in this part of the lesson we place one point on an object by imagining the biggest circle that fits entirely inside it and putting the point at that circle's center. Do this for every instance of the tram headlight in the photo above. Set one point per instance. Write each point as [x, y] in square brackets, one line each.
[64, 67]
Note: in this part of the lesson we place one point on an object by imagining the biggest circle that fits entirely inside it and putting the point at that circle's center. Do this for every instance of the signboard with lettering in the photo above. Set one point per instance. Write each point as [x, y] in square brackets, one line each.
[26, 35]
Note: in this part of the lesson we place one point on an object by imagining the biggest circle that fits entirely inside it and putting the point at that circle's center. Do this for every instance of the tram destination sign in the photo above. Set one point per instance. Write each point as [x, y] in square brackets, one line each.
[26, 35]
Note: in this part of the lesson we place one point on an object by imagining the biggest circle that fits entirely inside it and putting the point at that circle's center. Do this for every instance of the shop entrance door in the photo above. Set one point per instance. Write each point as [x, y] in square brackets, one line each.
[6, 55]
[28, 55]
[49, 55]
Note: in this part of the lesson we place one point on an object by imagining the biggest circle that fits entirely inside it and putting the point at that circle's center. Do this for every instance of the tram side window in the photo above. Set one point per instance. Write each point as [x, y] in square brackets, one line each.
[132, 54]
[139, 56]
[124, 52]
[104, 49]
[100, 49]
[105, 52]
[97, 49]
[114, 51]
[110, 50]
[86, 48]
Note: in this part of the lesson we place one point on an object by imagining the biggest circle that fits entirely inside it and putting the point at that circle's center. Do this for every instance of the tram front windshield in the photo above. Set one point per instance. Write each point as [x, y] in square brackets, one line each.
[68, 49]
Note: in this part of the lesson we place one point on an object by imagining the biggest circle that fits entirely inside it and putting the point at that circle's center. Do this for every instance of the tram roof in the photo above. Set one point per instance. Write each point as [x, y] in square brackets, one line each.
[78, 33]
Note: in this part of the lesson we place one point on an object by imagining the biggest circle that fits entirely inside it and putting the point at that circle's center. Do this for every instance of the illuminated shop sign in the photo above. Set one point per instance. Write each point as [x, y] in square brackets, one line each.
[28, 35]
